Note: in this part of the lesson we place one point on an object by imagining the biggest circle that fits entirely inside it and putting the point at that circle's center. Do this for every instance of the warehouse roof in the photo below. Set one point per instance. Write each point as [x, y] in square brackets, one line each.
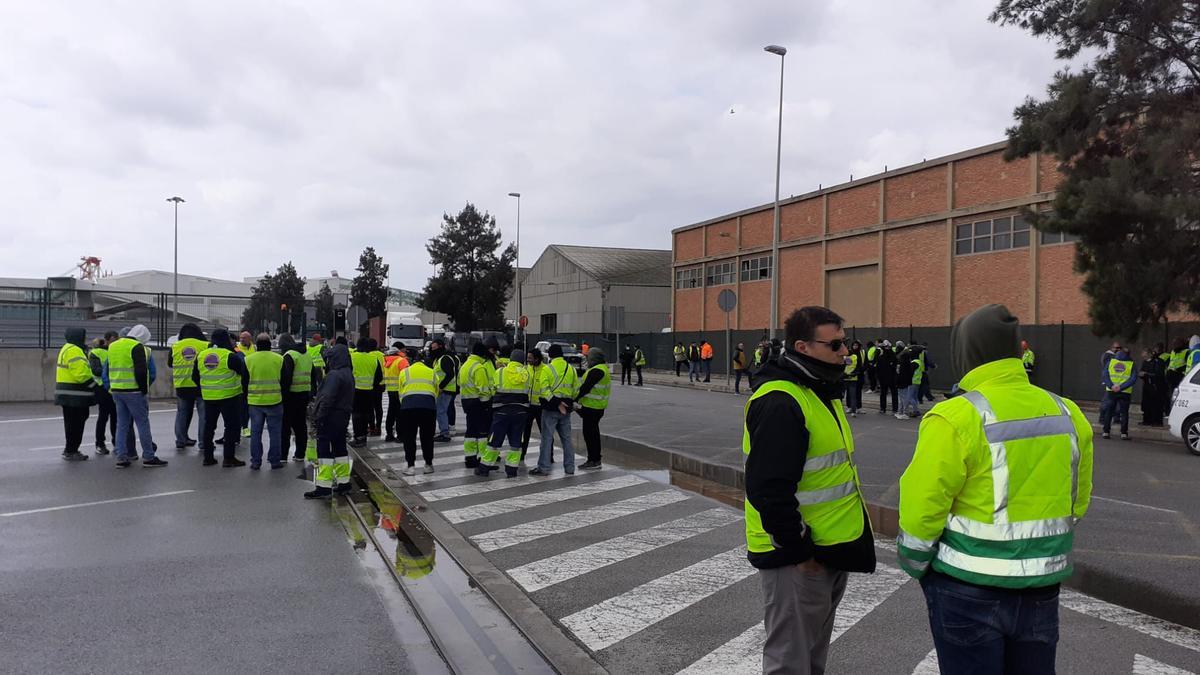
[625, 266]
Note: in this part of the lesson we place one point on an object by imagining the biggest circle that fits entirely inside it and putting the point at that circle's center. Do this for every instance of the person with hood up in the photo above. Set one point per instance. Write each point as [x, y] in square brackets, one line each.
[182, 361]
[806, 521]
[130, 372]
[885, 376]
[74, 384]
[1000, 476]
[334, 403]
[591, 402]
[301, 373]
[222, 377]
[1118, 378]
[106, 409]
[626, 360]
[476, 386]
[510, 405]
[1193, 353]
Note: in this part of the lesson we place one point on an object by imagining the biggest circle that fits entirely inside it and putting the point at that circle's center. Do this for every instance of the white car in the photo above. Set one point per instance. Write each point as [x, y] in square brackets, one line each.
[1184, 421]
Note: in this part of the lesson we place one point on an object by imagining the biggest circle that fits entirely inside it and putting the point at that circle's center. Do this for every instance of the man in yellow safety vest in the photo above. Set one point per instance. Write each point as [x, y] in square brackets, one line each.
[222, 378]
[264, 394]
[182, 361]
[74, 383]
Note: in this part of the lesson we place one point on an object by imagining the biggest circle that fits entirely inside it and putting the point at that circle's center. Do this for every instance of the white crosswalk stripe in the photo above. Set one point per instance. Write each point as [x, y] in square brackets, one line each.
[928, 665]
[441, 473]
[743, 654]
[538, 529]
[497, 482]
[512, 504]
[615, 619]
[546, 572]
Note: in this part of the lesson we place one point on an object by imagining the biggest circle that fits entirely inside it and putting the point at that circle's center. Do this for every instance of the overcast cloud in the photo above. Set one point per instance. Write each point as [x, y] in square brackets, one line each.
[305, 131]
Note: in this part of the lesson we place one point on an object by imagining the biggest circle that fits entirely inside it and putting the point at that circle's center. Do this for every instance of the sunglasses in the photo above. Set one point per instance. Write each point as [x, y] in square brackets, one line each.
[835, 345]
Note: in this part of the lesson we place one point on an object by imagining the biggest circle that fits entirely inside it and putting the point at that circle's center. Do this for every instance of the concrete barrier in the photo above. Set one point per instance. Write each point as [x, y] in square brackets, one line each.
[28, 375]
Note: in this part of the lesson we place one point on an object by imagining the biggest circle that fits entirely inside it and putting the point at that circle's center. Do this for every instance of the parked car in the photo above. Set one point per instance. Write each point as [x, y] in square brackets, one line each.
[571, 353]
[1184, 420]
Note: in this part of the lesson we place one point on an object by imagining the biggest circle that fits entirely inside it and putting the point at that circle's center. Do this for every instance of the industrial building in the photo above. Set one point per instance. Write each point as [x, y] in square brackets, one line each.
[590, 289]
[920, 245]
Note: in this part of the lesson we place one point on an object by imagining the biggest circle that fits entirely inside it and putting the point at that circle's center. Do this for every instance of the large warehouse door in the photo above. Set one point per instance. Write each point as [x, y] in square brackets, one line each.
[854, 293]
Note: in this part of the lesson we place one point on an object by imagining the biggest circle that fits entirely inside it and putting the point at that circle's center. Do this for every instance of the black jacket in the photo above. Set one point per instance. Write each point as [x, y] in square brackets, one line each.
[337, 389]
[885, 365]
[779, 445]
[590, 379]
[445, 368]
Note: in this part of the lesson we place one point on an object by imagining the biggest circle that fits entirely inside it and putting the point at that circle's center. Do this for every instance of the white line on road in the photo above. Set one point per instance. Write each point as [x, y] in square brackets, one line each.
[928, 665]
[499, 483]
[106, 501]
[743, 654]
[1144, 665]
[1182, 636]
[59, 419]
[538, 529]
[1140, 506]
[617, 618]
[512, 504]
[546, 572]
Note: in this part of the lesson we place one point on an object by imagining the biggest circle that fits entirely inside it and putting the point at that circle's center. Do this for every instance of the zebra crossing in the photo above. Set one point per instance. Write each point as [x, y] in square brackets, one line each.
[653, 579]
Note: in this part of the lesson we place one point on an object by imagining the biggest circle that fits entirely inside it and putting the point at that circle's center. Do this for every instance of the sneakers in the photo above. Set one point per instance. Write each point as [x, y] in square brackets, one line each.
[441, 438]
[74, 456]
[428, 468]
[535, 471]
[882, 412]
[278, 465]
[389, 439]
[319, 493]
[101, 449]
[232, 463]
[209, 461]
[854, 413]
[570, 471]
[255, 466]
[409, 471]
[1124, 437]
[189, 442]
[358, 443]
[900, 416]
[154, 462]
[122, 464]
[1105, 435]
[484, 470]
[590, 465]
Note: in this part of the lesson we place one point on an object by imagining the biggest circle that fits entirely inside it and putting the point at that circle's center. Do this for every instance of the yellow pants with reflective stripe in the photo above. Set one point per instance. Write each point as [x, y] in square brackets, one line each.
[324, 472]
[489, 455]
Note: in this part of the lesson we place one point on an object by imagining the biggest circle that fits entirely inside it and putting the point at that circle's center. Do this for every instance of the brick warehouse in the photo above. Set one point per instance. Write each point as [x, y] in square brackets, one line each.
[920, 245]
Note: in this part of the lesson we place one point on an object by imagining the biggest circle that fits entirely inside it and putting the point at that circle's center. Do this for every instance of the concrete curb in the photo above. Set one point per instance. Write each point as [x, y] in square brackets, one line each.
[563, 653]
[1135, 593]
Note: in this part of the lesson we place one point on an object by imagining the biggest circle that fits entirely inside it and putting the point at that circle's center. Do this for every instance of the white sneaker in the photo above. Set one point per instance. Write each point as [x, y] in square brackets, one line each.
[853, 413]
[409, 471]
[901, 416]
[428, 468]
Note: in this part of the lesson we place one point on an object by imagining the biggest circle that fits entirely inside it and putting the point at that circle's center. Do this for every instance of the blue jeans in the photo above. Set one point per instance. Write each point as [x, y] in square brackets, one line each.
[132, 409]
[693, 370]
[273, 416]
[908, 399]
[707, 363]
[183, 418]
[1115, 404]
[737, 381]
[854, 395]
[991, 631]
[552, 421]
[444, 401]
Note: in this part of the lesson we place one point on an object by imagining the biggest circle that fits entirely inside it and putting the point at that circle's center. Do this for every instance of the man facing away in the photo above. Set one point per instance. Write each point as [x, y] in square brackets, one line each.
[1000, 476]
[265, 396]
[806, 522]
[182, 361]
[130, 372]
[332, 408]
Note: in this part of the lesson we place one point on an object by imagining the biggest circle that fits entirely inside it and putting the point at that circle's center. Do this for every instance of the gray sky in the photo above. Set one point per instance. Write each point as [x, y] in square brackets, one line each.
[306, 131]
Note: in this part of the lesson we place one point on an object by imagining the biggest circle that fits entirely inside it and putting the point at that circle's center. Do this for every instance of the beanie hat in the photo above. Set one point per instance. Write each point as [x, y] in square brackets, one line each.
[990, 333]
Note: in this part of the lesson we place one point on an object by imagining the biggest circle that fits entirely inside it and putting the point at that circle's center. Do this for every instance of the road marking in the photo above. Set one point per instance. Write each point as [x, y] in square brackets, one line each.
[928, 665]
[546, 572]
[106, 501]
[442, 474]
[538, 529]
[59, 419]
[1144, 665]
[399, 454]
[743, 654]
[608, 622]
[1140, 506]
[500, 483]
[1182, 636]
[512, 504]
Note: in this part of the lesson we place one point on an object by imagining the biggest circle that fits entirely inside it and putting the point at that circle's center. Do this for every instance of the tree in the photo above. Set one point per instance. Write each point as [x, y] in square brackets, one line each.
[472, 283]
[369, 289]
[284, 287]
[1126, 130]
[324, 305]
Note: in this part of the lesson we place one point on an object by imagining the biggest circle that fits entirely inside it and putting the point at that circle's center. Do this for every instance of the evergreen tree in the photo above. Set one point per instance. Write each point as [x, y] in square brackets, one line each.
[369, 289]
[473, 282]
[324, 306]
[284, 287]
[1126, 130]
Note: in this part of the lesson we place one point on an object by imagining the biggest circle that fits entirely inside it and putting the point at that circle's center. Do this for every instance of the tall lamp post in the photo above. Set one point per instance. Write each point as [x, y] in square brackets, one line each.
[178, 201]
[517, 274]
[781, 51]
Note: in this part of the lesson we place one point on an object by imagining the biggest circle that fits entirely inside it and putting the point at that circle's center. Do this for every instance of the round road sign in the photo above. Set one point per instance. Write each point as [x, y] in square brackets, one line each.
[727, 300]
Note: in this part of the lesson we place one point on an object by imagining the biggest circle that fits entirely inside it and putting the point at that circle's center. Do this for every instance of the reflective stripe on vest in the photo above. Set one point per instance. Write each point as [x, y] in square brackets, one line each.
[452, 385]
[852, 366]
[417, 380]
[564, 382]
[1033, 552]
[1177, 360]
[469, 385]
[597, 396]
[120, 365]
[363, 365]
[314, 353]
[217, 380]
[301, 372]
[512, 384]
[183, 359]
[265, 368]
[66, 382]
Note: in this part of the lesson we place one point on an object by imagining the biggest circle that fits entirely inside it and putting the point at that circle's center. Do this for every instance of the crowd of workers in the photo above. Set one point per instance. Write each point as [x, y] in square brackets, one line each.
[310, 398]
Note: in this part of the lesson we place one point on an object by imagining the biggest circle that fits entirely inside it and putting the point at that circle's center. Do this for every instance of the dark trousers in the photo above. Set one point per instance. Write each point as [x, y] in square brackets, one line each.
[991, 631]
[364, 411]
[377, 418]
[450, 415]
[106, 416]
[295, 423]
[1115, 404]
[591, 432]
[626, 374]
[245, 412]
[678, 365]
[924, 393]
[230, 411]
[479, 418]
[737, 381]
[391, 426]
[886, 387]
[534, 415]
[1152, 402]
[854, 395]
[414, 421]
[331, 435]
[74, 423]
[872, 378]
[639, 371]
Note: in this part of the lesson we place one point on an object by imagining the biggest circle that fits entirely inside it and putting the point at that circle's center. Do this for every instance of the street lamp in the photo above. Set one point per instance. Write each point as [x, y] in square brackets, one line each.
[781, 51]
[517, 274]
[178, 201]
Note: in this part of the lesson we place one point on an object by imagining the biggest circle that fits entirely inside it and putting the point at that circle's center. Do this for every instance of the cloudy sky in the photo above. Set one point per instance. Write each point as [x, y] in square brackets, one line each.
[305, 131]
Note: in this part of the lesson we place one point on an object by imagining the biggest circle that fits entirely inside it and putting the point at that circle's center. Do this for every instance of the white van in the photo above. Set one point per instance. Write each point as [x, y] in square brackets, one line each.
[1184, 421]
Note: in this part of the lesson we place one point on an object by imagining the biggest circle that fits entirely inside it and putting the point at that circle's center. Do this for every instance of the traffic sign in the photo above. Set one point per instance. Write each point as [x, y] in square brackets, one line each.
[727, 300]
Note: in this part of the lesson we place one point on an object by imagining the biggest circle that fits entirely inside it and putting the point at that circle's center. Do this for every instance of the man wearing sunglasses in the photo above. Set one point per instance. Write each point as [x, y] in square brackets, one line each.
[806, 523]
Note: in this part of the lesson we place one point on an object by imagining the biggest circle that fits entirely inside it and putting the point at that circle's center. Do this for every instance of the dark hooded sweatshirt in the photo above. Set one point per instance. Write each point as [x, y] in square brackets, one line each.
[779, 446]
[337, 389]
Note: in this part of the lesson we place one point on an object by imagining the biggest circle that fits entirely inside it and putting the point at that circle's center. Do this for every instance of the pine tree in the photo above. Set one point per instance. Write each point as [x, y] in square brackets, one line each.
[369, 289]
[473, 282]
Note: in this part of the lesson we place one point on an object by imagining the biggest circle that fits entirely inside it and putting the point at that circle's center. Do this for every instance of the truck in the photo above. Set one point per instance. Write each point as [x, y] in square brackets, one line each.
[405, 328]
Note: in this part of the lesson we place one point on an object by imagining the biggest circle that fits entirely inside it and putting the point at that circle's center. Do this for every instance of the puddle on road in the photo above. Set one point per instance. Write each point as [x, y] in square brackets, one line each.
[685, 481]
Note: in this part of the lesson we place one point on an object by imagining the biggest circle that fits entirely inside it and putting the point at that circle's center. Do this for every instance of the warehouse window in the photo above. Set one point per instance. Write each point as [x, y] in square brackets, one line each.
[756, 268]
[689, 278]
[719, 274]
[994, 234]
[549, 324]
[1058, 238]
